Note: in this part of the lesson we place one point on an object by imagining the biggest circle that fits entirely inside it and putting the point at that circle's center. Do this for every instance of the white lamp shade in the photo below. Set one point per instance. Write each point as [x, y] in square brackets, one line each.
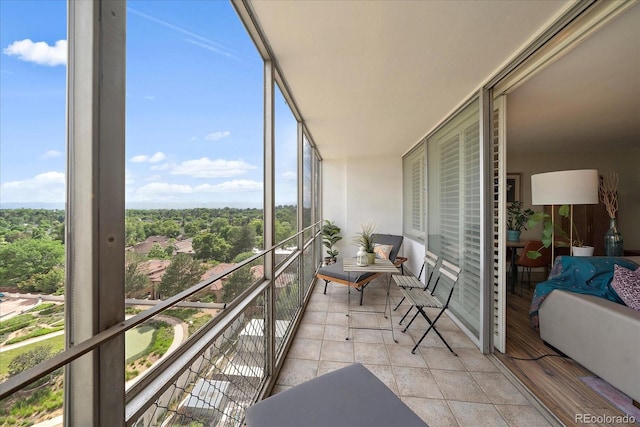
[572, 187]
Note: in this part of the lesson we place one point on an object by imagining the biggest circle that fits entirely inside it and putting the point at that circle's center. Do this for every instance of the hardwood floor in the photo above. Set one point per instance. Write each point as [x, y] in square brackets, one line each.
[554, 380]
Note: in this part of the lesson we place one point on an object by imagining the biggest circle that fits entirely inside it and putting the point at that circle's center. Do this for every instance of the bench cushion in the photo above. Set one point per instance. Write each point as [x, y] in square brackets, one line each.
[336, 270]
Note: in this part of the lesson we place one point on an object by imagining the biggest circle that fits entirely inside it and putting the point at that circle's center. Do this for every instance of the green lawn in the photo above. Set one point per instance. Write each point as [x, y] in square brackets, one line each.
[57, 344]
[137, 340]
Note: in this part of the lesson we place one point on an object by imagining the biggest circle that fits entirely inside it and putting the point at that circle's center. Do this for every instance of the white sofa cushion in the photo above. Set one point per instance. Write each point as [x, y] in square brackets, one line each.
[601, 335]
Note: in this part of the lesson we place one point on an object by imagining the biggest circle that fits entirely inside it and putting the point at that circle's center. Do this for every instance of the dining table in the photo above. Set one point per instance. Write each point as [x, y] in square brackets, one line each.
[380, 266]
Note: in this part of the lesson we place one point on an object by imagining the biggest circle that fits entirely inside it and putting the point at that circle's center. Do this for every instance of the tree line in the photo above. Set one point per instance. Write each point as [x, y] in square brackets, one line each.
[32, 244]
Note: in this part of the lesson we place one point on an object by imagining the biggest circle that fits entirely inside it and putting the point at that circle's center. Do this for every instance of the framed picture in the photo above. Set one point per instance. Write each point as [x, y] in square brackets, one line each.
[514, 187]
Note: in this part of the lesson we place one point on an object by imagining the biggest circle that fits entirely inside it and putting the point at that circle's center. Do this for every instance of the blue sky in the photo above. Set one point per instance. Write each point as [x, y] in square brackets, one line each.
[193, 107]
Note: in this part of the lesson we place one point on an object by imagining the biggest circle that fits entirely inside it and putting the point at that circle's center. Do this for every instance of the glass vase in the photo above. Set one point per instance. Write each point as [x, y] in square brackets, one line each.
[613, 239]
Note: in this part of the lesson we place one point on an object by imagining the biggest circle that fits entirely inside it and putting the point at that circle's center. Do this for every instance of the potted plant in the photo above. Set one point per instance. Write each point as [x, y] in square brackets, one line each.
[364, 238]
[330, 236]
[516, 220]
[549, 229]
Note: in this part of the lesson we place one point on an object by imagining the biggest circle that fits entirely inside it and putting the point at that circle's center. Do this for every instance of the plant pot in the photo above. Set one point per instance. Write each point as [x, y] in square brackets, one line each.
[371, 258]
[582, 250]
[513, 235]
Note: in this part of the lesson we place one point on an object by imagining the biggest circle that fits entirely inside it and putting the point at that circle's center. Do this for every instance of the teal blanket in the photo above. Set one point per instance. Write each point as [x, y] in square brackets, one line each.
[583, 275]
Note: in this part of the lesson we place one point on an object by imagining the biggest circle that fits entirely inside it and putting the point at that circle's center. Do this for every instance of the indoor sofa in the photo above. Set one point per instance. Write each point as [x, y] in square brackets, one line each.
[593, 327]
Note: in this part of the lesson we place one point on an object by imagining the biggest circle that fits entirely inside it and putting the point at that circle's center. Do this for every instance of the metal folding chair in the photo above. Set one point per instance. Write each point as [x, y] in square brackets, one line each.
[421, 299]
[410, 282]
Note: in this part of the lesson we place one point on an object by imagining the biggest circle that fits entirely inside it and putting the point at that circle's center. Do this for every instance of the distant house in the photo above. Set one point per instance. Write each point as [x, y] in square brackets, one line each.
[179, 247]
[143, 248]
[184, 247]
[283, 280]
[206, 400]
[251, 338]
[216, 287]
[154, 269]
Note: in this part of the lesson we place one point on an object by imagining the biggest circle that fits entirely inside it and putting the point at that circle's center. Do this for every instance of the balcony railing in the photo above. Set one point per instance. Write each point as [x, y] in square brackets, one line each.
[226, 364]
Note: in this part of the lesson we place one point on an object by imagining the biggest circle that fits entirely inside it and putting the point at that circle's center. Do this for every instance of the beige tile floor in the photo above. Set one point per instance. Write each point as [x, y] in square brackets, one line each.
[444, 390]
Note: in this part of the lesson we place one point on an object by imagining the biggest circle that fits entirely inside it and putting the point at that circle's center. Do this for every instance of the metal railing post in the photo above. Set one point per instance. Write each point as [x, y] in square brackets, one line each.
[269, 214]
[95, 210]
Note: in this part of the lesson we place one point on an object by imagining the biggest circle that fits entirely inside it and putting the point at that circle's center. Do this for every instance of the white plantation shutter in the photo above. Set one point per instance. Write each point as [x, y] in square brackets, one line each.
[450, 199]
[471, 222]
[453, 161]
[498, 166]
[417, 189]
[413, 196]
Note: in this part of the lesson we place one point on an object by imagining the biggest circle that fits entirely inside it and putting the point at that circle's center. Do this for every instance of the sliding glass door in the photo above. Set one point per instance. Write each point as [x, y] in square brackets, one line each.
[454, 219]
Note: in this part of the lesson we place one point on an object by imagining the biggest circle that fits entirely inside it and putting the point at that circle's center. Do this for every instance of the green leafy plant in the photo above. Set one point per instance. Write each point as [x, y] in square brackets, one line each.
[548, 229]
[330, 236]
[364, 238]
[517, 217]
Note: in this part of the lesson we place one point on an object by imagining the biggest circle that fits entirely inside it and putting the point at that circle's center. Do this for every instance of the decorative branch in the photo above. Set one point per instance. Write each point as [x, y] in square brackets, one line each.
[609, 193]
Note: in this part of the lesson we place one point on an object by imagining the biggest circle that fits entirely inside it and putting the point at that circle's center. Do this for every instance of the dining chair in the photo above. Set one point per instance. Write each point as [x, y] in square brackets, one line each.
[409, 282]
[421, 299]
[528, 263]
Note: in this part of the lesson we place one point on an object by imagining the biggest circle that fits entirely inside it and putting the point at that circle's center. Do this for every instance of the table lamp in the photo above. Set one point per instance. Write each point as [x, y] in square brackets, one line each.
[570, 187]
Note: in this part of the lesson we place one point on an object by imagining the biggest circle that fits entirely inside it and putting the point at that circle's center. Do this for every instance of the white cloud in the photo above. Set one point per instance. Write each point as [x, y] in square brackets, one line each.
[157, 188]
[51, 153]
[39, 53]
[158, 157]
[150, 98]
[144, 158]
[163, 167]
[47, 187]
[164, 191]
[237, 185]
[290, 175]
[207, 168]
[217, 136]
[139, 159]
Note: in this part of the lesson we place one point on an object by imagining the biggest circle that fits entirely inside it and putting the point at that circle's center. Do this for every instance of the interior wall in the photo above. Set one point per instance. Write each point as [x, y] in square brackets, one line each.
[624, 162]
[358, 190]
[334, 195]
[414, 251]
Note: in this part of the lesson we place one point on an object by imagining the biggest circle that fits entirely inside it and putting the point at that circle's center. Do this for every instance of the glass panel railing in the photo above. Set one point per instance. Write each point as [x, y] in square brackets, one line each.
[287, 302]
[221, 381]
[185, 347]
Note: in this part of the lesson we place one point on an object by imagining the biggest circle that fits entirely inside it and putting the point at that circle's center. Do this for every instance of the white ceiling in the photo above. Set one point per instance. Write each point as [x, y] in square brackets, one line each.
[374, 77]
[590, 98]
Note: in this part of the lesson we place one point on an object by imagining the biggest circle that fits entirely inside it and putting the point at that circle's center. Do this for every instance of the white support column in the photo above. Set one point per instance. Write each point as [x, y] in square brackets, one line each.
[94, 295]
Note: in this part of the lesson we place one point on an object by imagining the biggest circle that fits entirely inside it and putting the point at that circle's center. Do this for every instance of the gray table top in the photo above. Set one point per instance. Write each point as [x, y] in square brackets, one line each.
[380, 266]
[348, 397]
